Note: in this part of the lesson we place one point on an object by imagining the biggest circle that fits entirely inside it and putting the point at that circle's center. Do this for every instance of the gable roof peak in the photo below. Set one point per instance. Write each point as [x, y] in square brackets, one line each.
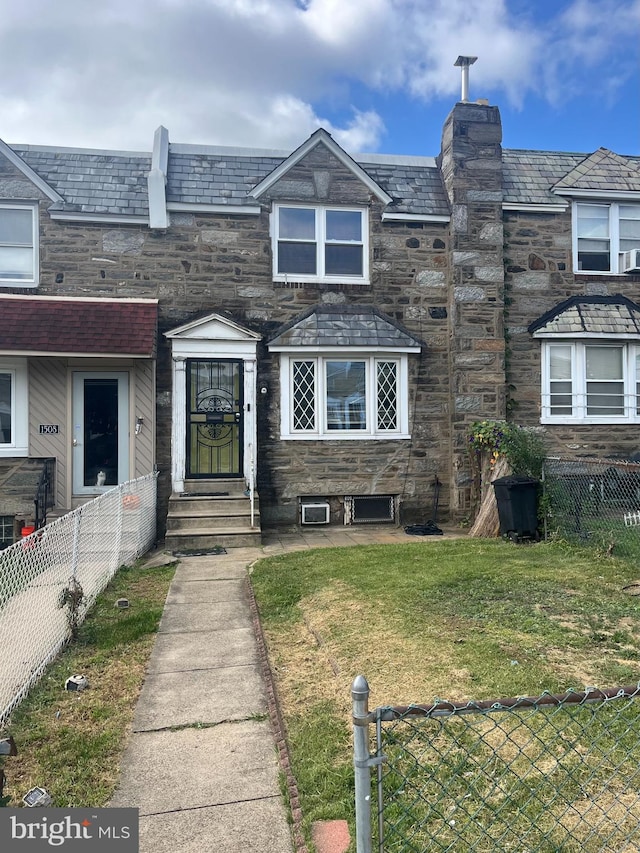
[600, 173]
[320, 137]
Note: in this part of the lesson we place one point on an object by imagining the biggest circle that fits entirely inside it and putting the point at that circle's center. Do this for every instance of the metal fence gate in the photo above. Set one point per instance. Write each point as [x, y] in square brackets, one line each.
[547, 773]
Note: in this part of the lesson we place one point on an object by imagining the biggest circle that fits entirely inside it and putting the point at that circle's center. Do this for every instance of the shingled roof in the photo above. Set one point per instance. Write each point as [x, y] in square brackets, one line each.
[344, 326]
[73, 326]
[114, 183]
[603, 171]
[590, 316]
[105, 182]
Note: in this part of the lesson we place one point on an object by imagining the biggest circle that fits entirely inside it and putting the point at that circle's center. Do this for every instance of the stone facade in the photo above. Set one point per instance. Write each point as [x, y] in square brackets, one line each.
[467, 284]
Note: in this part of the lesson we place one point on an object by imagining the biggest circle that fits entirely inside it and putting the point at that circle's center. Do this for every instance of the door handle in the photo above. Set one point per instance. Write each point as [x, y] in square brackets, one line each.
[237, 417]
[74, 443]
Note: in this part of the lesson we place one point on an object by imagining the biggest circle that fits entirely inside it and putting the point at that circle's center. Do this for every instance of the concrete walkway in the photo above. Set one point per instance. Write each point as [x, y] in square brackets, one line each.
[201, 761]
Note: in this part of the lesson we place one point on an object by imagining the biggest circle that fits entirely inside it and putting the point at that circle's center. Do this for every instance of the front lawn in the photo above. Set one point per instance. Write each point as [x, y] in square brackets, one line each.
[465, 619]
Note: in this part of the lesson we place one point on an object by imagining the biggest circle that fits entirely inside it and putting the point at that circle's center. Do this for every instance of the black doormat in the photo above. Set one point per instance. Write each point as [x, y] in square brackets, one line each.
[204, 494]
[200, 552]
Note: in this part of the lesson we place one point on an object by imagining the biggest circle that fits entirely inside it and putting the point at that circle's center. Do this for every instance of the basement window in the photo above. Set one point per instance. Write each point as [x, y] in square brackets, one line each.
[6, 531]
[370, 509]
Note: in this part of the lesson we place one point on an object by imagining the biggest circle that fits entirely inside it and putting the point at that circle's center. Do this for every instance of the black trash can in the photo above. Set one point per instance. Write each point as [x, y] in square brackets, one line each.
[517, 499]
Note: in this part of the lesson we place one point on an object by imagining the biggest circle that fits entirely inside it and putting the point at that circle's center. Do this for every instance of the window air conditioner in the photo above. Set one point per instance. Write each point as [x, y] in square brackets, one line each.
[315, 513]
[631, 261]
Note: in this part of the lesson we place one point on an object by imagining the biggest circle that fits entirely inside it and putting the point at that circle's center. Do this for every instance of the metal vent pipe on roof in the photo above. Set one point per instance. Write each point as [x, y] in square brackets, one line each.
[464, 62]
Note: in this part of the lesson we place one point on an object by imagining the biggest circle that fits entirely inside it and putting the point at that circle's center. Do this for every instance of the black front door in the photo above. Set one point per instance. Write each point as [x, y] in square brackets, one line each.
[214, 418]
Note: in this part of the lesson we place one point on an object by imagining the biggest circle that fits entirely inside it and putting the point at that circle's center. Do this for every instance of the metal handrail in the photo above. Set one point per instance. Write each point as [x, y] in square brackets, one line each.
[251, 485]
[44, 493]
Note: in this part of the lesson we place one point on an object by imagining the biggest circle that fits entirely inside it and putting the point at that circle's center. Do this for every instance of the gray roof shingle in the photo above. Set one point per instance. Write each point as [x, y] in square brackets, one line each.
[590, 315]
[115, 182]
[91, 181]
[344, 325]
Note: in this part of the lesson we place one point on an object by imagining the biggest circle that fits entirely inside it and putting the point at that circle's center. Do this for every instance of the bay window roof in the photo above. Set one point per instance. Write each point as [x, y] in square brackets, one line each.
[590, 316]
[362, 326]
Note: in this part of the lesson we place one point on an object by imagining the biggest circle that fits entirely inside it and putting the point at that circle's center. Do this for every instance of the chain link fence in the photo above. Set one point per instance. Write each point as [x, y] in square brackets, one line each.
[595, 502]
[50, 579]
[529, 775]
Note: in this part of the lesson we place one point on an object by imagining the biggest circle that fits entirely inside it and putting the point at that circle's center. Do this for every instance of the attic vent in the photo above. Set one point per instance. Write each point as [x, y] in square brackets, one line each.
[371, 509]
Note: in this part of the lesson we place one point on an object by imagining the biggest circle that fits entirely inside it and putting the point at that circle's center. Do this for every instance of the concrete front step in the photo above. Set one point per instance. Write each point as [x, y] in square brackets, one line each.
[228, 487]
[212, 523]
[194, 540]
[180, 506]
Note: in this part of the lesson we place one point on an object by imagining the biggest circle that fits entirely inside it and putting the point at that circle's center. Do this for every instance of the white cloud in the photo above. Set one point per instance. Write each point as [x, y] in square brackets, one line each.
[268, 72]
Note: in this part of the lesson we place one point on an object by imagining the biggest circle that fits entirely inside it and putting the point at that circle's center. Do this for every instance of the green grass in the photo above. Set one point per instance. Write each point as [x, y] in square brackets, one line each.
[71, 743]
[466, 619]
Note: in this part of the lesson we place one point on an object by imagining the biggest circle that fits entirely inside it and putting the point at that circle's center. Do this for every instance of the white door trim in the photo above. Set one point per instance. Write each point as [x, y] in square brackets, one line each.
[213, 337]
[77, 438]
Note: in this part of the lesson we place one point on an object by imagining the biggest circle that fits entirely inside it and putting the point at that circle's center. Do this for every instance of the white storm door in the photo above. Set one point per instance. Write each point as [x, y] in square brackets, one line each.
[100, 451]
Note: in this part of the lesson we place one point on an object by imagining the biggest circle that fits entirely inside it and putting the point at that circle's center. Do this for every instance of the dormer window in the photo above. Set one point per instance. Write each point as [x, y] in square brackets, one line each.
[603, 233]
[18, 242]
[322, 244]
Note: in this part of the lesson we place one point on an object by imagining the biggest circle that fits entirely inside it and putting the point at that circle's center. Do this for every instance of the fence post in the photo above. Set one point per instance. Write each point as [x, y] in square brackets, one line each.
[361, 763]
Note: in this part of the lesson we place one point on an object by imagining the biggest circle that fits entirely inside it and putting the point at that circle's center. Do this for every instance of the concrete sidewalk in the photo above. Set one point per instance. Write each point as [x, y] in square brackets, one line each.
[201, 762]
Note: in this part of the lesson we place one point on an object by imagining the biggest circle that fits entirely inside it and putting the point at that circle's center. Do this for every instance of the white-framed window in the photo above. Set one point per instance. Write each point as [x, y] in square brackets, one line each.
[602, 233]
[325, 244]
[14, 439]
[590, 382]
[339, 396]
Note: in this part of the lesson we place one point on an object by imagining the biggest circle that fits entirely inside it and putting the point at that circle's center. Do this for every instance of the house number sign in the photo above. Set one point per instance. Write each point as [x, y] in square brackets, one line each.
[49, 429]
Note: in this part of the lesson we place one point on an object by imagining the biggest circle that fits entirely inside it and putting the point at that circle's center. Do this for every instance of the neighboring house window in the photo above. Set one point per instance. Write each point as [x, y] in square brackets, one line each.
[18, 244]
[333, 396]
[602, 234]
[13, 408]
[320, 244]
[590, 382]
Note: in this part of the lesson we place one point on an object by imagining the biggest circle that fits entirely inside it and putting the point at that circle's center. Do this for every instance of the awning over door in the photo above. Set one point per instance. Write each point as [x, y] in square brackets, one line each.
[66, 326]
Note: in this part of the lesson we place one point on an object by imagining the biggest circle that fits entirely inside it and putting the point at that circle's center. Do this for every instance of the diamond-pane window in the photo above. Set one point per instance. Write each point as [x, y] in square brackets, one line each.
[387, 395]
[304, 395]
[340, 395]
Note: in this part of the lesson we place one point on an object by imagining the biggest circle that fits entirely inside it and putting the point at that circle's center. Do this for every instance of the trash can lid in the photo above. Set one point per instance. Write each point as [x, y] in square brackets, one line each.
[515, 480]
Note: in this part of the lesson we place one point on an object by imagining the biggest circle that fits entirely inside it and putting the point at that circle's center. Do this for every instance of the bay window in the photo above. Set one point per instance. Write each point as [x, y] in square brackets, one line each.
[344, 396]
[320, 244]
[591, 382]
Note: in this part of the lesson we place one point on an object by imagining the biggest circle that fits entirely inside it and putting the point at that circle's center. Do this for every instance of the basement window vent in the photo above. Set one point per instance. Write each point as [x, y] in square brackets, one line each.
[369, 509]
[316, 513]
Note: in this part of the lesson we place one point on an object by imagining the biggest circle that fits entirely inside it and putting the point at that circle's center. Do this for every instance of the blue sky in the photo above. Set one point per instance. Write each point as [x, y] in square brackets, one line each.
[377, 74]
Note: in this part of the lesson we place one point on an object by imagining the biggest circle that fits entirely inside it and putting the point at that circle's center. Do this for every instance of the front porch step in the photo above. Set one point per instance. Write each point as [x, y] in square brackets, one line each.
[198, 521]
[186, 506]
[232, 487]
[210, 514]
[202, 539]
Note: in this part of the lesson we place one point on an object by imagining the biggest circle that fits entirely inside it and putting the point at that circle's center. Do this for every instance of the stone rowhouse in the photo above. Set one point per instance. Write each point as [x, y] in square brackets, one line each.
[324, 326]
